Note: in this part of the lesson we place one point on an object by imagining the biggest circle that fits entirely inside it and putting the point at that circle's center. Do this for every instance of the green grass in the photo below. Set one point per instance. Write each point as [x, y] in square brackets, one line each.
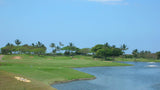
[48, 70]
[137, 59]
[8, 82]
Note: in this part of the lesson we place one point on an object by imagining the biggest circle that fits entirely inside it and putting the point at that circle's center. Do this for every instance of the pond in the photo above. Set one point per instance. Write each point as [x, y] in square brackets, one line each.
[142, 76]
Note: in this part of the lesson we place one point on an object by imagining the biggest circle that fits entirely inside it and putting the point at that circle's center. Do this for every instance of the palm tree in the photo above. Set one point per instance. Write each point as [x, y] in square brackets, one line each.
[58, 48]
[53, 46]
[17, 42]
[114, 46]
[8, 44]
[39, 44]
[33, 44]
[54, 51]
[71, 44]
[135, 53]
[123, 48]
[61, 44]
[106, 45]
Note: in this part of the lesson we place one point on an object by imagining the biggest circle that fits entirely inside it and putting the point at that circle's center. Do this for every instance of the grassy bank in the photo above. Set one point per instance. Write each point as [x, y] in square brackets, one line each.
[8, 82]
[46, 70]
[137, 59]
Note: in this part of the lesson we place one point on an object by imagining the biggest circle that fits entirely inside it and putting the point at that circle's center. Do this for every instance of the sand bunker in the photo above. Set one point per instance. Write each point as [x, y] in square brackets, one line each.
[16, 57]
[22, 79]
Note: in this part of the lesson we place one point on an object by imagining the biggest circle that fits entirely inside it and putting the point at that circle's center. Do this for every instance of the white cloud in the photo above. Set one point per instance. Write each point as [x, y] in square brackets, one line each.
[111, 2]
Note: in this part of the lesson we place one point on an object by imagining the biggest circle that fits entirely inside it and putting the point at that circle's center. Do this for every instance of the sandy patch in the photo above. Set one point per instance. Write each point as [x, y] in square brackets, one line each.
[22, 79]
[16, 57]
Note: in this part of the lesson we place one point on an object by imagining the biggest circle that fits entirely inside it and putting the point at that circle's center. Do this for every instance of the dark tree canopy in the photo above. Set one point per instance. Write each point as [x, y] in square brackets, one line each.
[97, 47]
[158, 55]
[70, 49]
[135, 53]
[106, 50]
[52, 45]
[17, 42]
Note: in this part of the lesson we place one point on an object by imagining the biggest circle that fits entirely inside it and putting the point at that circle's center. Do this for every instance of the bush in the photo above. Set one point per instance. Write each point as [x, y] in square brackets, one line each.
[59, 54]
[158, 55]
[66, 53]
[128, 56]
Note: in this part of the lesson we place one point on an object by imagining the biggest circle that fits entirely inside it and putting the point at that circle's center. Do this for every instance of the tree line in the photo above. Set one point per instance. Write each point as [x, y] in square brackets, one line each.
[144, 54]
[37, 49]
[104, 51]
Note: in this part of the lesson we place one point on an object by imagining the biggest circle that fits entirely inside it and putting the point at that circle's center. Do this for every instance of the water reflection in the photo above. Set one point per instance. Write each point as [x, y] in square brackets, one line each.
[138, 77]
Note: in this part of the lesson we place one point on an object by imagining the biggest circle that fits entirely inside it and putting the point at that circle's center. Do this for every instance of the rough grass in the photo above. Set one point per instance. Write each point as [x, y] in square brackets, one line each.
[137, 59]
[8, 82]
[47, 69]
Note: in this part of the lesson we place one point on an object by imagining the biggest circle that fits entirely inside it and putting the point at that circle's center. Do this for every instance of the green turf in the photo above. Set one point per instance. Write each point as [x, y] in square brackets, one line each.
[48, 70]
[8, 82]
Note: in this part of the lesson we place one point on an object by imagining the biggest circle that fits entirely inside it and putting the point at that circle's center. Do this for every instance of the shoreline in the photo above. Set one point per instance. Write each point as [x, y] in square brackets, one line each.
[66, 81]
[92, 78]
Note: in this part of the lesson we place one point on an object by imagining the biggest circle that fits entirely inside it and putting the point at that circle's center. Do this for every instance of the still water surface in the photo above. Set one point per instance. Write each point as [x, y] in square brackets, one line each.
[142, 76]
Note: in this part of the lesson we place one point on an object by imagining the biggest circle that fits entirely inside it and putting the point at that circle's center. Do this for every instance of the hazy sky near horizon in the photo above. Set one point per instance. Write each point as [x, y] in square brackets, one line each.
[86, 23]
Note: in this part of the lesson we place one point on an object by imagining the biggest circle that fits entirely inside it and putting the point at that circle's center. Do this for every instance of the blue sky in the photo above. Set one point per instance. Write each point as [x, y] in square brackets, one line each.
[86, 23]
